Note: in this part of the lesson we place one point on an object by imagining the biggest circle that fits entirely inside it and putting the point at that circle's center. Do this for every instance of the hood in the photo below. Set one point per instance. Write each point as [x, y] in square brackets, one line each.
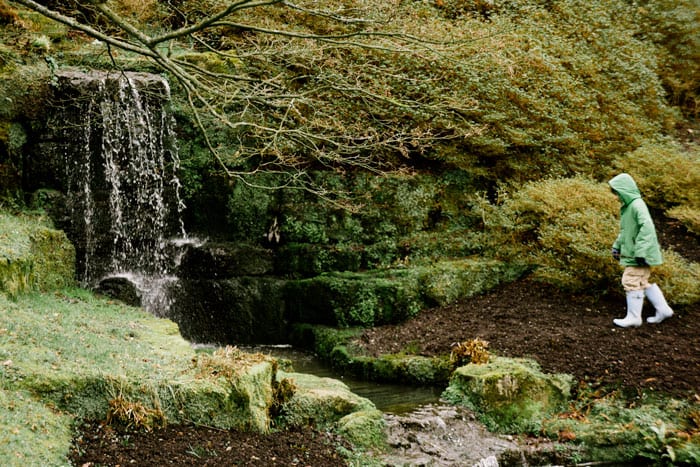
[626, 187]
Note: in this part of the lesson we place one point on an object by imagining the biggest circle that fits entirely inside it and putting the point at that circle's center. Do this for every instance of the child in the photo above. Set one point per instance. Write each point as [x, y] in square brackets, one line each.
[637, 248]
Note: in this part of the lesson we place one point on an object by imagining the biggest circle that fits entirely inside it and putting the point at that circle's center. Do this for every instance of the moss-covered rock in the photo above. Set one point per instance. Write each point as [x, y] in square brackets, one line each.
[510, 395]
[390, 296]
[33, 255]
[447, 281]
[329, 403]
[336, 347]
[363, 428]
[352, 299]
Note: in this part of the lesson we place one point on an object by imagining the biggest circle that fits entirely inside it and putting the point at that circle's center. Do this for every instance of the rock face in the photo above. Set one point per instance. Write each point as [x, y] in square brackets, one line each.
[220, 260]
[108, 147]
[226, 295]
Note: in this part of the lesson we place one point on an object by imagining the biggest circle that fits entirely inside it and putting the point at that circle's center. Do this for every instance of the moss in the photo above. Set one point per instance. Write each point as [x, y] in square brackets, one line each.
[33, 256]
[352, 299]
[54, 259]
[509, 395]
[242, 402]
[447, 281]
[321, 339]
[652, 430]
[329, 403]
[364, 428]
[335, 346]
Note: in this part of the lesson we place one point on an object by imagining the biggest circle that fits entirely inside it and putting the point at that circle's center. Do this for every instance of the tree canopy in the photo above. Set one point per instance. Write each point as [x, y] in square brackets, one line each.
[508, 89]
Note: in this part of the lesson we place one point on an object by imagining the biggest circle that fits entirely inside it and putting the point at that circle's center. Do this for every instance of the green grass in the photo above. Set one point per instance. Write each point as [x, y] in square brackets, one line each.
[69, 355]
[31, 433]
[53, 347]
[71, 330]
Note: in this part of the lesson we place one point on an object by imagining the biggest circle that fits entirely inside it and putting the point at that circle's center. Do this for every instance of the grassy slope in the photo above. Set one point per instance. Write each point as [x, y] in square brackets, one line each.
[68, 355]
[66, 336]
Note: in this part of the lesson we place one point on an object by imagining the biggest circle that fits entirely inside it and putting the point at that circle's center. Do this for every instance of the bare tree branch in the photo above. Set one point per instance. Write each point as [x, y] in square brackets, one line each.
[277, 92]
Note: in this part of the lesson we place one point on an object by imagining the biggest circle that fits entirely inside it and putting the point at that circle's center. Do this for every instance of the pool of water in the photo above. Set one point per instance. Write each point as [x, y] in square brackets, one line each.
[389, 398]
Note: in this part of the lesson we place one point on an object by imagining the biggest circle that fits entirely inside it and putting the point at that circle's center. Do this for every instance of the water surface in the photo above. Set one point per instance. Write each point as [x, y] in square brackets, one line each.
[388, 397]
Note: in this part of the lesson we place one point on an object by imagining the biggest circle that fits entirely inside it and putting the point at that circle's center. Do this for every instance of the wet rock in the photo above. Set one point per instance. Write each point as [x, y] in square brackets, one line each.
[225, 260]
[241, 310]
[120, 288]
[442, 435]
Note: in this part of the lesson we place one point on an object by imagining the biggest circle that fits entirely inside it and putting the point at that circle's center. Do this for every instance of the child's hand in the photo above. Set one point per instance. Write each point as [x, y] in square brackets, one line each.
[616, 254]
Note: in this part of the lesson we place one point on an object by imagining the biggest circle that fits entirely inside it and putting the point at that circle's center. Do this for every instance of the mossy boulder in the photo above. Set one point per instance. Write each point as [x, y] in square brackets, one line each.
[329, 403]
[510, 395]
[354, 299]
[33, 255]
[402, 368]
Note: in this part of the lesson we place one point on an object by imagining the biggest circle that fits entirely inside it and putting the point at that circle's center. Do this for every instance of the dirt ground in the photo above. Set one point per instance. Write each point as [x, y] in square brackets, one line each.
[98, 445]
[565, 334]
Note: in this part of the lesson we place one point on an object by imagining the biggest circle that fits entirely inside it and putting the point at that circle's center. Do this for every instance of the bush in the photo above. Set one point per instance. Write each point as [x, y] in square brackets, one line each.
[679, 278]
[669, 179]
[566, 239]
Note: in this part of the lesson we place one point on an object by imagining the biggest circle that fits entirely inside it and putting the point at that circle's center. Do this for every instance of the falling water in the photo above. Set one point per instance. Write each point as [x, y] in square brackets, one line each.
[122, 189]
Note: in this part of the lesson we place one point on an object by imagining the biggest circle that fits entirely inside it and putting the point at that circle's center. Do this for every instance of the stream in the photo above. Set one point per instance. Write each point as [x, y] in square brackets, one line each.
[387, 397]
[421, 430]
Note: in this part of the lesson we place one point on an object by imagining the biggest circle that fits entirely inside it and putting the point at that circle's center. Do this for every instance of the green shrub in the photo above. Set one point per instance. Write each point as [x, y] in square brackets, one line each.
[562, 228]
[669, 178]
[673, 25]
[679, 278]
[667, 175]
[248, 209]
[688, 216]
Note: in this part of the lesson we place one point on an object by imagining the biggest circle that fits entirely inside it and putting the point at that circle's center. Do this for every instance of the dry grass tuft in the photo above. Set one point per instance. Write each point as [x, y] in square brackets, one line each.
[471, 351]
[134, 415]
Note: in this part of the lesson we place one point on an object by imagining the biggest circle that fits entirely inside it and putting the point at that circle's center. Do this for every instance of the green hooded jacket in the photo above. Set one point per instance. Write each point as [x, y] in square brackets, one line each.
[637, 238]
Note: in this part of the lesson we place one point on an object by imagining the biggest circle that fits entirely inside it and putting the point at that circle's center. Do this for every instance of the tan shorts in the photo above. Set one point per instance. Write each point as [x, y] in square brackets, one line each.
[635, 278]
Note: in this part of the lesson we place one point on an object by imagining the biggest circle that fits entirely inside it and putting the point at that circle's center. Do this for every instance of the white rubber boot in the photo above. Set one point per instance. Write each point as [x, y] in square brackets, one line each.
[656, 297]
[635, 302]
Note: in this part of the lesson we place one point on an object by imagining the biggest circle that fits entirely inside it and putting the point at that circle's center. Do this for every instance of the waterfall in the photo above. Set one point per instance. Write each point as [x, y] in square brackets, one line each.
[120, 164]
